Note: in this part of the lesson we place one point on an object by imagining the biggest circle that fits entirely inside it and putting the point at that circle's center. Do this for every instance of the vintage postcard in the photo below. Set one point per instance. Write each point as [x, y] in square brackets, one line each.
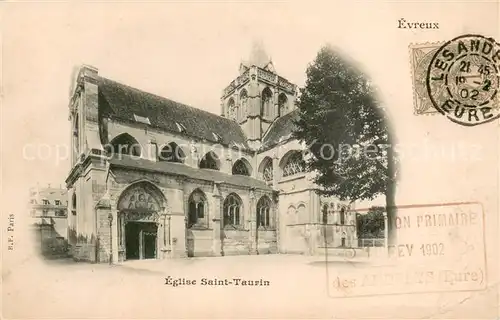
[213, 160]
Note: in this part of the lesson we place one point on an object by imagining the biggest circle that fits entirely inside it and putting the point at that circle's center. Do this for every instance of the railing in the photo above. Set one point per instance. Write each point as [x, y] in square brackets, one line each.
[376, 242]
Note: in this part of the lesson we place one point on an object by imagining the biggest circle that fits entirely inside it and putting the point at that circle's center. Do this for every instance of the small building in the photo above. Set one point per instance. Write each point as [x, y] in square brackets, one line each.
[152, 178]
[48, 213]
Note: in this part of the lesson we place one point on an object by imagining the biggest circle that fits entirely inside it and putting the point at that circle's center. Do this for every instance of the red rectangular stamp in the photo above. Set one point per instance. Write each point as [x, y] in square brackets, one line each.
[440, 247]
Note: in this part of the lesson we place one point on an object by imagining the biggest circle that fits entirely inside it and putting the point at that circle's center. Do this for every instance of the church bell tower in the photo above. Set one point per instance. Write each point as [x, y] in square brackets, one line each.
[258, 96]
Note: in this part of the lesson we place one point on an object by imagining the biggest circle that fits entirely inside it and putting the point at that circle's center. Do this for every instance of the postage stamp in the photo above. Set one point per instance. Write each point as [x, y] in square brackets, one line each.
[420, 58]
[440, 248]
[462, 79]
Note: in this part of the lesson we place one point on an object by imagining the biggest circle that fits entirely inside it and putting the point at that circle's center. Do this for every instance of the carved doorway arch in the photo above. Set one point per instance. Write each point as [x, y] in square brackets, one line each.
[140, 209]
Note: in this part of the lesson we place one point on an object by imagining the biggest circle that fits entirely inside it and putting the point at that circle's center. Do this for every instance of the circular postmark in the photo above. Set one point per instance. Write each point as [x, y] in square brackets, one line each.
[463, 80]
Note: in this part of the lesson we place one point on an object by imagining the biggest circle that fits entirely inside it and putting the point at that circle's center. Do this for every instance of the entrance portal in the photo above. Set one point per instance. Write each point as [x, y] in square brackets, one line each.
[140, 240]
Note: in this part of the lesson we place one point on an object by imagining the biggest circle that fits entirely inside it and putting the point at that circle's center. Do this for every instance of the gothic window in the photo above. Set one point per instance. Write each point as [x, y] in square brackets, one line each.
[282, 104]
[240, 168]
[210, 161]
[268, 172]
[264, 212]
[244, 103]
[45, 212]
[197, 215]
[294, 164]
[231, 109]
[124, 144]
[172, 153]
[58, 202]
[232, 211]
[45, 201]
[267, 102]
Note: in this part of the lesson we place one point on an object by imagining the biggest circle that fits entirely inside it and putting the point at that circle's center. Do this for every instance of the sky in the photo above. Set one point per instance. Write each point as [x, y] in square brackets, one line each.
[189, 52]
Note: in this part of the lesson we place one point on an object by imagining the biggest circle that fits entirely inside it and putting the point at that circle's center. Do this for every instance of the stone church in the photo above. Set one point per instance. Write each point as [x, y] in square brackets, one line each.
[152, 178]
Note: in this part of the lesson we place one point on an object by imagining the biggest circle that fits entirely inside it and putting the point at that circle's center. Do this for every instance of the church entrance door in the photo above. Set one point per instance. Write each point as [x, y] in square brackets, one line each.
[140, 240]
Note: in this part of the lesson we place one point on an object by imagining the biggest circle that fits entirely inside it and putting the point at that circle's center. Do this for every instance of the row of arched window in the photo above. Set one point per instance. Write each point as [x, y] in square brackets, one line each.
[328, 210]
[232, 211]
[291, 164]
[238, 113]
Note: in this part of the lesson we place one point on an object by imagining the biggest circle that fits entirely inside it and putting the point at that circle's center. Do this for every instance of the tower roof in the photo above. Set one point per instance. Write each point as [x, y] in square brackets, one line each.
[259, 58]
[258, 55]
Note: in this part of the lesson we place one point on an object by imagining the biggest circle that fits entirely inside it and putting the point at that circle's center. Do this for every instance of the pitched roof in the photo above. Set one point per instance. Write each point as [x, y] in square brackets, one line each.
[281, 128]
[181, 169]
[122, 102]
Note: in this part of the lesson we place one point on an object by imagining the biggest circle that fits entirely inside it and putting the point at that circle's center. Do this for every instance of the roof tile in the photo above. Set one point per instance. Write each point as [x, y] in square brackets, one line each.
[282, 127]
[123, 102]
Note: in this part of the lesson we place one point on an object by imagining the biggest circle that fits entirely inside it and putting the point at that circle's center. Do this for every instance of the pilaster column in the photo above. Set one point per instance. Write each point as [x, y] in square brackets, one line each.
[229, 163]
[194, 154]
[275, 170]
[237, 105]
[113, 225]
[275, 104]
[88, 76]
[152, 150]
[178, 234]
[164, 238]
[277, 219]
[314, 207]
[217, 233]
[252, 225]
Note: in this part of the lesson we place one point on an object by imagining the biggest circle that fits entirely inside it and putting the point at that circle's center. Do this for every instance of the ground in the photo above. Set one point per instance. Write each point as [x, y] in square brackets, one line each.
[137, 289]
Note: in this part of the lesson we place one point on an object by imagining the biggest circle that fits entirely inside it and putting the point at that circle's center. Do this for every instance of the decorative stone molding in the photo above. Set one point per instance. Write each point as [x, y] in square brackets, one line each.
[216, 191]
[147, 216]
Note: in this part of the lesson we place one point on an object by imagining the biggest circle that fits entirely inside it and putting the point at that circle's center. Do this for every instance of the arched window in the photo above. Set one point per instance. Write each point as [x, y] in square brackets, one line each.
[264, 212]
[325, 213]
[342, 215]
[294, 164]
[124, 144]
[232, 211]
[244, 103]
[267, 102]
[197, 215]
[291, 215]
[241, 168]
[302, 214]
[266, 169]
[172, 153]
[210, 161]
[231, 109]
[73, 204]
[282, 104]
